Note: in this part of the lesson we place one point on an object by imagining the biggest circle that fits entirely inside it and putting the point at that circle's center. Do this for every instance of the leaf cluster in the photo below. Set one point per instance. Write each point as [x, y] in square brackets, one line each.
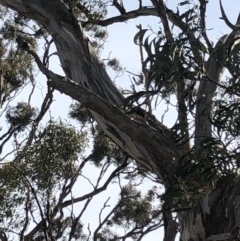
[53, 156]
[133, 208]
[20, 115]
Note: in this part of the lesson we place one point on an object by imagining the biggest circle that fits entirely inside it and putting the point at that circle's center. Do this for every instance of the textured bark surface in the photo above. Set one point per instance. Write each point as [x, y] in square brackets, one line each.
[149, 144]
[217, 216]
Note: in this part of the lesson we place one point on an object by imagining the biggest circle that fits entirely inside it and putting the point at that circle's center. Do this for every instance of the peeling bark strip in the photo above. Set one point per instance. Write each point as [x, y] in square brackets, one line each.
[116, 123]
[81, 64]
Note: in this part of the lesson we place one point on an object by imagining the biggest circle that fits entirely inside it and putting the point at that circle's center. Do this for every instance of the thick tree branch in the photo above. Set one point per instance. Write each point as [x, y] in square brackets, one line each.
[91, 81]
[137, 131]
[96, 103]
[214, 69]
[170, 227]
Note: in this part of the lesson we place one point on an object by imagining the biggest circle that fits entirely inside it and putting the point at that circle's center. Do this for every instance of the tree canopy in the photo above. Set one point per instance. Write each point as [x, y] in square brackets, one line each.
[115, 131]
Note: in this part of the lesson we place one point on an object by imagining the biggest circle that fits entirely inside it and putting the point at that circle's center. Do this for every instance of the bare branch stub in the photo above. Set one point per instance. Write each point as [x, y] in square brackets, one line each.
[119, 6]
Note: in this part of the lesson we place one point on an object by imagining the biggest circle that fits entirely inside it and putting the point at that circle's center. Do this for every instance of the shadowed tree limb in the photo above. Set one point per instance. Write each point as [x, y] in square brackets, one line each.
[124, 17]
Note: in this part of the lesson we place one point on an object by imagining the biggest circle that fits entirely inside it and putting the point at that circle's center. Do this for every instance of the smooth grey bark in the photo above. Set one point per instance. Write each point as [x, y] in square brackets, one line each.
[149, 144]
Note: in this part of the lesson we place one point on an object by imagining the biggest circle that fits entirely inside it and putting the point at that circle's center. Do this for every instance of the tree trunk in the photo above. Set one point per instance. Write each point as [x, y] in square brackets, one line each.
[148, 143]
[217, 217]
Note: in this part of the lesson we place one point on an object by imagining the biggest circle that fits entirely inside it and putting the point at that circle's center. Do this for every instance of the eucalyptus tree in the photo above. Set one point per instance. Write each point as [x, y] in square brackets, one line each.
[197, 159]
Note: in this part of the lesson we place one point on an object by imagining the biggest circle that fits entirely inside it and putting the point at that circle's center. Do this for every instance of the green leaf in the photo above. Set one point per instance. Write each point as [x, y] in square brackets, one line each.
[139, 36]
[147, 46]
[203, 48]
